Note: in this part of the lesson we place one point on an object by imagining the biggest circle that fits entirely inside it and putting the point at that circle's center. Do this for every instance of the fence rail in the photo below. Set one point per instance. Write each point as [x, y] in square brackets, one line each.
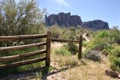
[21, 37]
[16, 64]
[25, 55]
[19, 56]
[21, 46]
[63, 40]
[46, 58]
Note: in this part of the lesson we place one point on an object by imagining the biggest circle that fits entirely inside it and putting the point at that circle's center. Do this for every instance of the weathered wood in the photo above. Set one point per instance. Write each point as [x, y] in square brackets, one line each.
[21, 46]
[62, 40]
[21, 37]
[16, 64]
[80, 48]
[19, 56]
[48, 47]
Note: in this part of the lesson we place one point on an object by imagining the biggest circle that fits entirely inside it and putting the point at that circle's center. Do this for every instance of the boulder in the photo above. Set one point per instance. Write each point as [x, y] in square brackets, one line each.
[112, 74]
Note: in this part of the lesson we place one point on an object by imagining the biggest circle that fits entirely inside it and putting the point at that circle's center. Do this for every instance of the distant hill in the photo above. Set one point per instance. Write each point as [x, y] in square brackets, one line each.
[66, 20]
[96, 24]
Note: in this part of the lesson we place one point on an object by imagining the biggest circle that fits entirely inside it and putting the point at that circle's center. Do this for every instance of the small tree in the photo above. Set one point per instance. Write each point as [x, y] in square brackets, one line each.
[17, 18]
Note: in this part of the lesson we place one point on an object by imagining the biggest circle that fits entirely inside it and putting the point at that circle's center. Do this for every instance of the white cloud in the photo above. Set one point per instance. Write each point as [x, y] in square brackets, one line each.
[63, 2]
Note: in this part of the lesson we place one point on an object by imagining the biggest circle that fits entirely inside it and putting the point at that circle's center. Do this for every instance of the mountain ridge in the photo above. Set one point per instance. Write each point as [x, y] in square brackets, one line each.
[66, 20]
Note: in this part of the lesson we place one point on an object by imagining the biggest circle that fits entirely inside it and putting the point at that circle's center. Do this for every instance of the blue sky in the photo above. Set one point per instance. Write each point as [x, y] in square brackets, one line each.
[106, 10]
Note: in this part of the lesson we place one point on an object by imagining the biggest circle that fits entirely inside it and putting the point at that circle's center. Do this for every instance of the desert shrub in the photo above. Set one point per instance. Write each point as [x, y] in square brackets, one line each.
[100, 46]
[118, 40]
[72, 61]
[68, 49]
[115, 51]
[103, 39]
[55, 31]
[93, 55]
[100, 41]
[69, 33]
[107, 49]
[107, 42]
[114, 57]
[97, 45]
[62, 51]
[84, 44]
[115, 34]
[65, 34]
[72, 47]
[72, 34]
[115, 64]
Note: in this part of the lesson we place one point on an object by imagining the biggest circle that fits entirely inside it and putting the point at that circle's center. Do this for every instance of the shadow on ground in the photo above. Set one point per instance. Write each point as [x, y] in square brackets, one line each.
[27, 75]
[44, 77]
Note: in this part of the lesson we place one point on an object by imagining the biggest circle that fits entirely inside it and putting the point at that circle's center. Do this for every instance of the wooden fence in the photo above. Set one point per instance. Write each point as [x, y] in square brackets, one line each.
[29, 54]
[25, 55]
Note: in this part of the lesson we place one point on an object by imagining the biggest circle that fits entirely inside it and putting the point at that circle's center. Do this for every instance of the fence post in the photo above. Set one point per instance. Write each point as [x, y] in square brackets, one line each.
[48, 48]
[80, 48]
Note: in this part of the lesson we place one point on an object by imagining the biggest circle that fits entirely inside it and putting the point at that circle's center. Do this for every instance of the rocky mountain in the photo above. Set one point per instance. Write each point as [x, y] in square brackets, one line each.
[63, 19]
[96, 25]
[66, 20]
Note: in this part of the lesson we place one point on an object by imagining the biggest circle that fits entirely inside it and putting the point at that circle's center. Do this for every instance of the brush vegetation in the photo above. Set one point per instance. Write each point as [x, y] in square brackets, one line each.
[24, 17]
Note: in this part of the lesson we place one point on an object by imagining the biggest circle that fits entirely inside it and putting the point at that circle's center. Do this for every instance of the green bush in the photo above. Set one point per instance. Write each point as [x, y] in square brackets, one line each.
[67, 50]
[72, 48]
[114, 58]
[93, 55]
[116, 52]
[56, 31]
[118, 40]
[62, 51]
[107, 49]
[84, 44]
[105, 41]
[117, 61]
[115, 64]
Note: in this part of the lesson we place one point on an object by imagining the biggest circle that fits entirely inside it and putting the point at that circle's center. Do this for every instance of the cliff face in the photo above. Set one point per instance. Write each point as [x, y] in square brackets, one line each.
[63, 19]
[96, 24]
[66, 20]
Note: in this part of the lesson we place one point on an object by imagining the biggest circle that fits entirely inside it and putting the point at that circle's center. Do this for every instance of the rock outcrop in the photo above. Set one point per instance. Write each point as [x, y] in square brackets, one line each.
[112, 74]
[63, 19]
[96, 25]
[66, 20]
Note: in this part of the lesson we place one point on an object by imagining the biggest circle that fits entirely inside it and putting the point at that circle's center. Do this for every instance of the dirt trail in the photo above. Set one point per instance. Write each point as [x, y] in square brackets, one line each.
[85, 37]
[57, 45]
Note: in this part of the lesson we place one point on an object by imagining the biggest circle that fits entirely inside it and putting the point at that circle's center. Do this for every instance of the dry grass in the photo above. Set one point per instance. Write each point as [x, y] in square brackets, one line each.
[70, 68]
[78, 69]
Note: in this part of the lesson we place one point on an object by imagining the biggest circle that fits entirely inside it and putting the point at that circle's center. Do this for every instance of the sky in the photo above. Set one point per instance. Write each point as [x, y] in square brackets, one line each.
[88, 10]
